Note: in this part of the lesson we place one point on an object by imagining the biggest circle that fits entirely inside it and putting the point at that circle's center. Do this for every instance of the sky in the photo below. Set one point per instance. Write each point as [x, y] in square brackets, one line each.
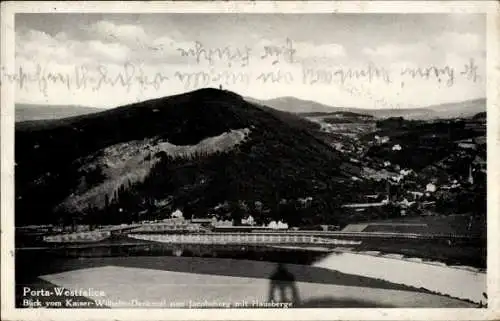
[355, 60]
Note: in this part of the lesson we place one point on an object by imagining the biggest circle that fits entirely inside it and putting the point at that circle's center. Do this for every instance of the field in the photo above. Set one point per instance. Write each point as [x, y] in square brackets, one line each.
[449, 251]
[452, 224]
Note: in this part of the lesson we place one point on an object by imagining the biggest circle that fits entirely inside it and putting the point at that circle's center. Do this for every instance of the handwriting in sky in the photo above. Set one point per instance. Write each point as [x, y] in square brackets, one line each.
[430, 72]
[327, 76]
[276, 53]
[227, 54]
[281, 70]
[279, 76]
[193, 80]
[130, 74]
[232, 56]
[470, 70]
[81, 78]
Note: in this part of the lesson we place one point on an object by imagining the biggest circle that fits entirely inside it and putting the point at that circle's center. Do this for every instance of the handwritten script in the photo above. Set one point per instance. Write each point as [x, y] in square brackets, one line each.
[272, 64]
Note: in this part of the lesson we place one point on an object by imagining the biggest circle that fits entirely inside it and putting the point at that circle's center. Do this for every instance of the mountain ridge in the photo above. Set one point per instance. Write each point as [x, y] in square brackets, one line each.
[148, 157]
[466, 109]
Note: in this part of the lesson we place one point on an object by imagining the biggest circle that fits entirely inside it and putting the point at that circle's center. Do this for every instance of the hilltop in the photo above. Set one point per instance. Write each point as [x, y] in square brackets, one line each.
[204, 151]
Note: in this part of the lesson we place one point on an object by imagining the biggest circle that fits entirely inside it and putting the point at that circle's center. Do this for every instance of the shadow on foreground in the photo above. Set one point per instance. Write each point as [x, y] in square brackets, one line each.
[283, 288]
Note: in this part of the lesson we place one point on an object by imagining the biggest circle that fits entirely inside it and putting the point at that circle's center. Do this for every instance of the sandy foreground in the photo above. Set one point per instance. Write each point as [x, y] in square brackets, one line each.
[453, 281]
[131, 287]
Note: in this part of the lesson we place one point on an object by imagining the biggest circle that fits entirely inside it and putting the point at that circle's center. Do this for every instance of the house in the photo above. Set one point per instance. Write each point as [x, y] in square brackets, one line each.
[277, 225]
[406, 172]
[306, 201]
[381, 140]
[177, 214]
[248, 221]
[396, 147]
[430, 188]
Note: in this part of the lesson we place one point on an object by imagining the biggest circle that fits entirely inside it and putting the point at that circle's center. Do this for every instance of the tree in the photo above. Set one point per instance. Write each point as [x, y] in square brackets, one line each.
[236, 213]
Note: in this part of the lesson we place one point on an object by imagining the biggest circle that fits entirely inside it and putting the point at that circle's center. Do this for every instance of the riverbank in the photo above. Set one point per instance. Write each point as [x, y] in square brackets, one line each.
[458, 282]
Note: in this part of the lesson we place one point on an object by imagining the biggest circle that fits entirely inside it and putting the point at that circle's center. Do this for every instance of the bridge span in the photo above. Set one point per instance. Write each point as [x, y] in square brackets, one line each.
[240, 238]
[293, 237]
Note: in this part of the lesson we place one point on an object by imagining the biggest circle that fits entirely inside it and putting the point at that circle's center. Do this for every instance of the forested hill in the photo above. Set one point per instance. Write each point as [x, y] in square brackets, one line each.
[204, 151]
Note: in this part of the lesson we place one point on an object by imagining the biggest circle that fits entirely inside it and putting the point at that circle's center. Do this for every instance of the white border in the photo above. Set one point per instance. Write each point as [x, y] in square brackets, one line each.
[8, 9]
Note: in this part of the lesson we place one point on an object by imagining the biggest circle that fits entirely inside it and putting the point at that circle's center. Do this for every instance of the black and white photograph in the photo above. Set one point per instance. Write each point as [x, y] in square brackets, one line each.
[232, 160]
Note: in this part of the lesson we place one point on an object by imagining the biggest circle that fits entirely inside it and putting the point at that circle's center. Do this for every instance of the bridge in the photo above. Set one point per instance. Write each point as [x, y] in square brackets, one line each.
[337, 238]
[240, 238]
[255, 236]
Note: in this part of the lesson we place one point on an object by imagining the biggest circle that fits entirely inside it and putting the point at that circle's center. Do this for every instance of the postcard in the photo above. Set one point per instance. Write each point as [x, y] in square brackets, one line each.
[250, 160]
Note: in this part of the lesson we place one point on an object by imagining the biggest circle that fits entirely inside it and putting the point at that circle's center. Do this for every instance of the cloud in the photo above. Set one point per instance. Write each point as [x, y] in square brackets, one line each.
[153, 50]
[61, 36]
[461, 42]
[163, 42]
[392, 50]
[32, 43]
[42, 47]
[436, 48]
[329, 50]
[132, 42]
[113, 52]
[37, 36]
[130, 35]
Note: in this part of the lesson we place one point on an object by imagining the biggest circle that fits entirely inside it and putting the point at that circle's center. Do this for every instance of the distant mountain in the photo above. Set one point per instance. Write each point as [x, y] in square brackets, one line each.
[26, 112]
[201, 151]
[463, 109]
[296, 105]
[480, 116]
